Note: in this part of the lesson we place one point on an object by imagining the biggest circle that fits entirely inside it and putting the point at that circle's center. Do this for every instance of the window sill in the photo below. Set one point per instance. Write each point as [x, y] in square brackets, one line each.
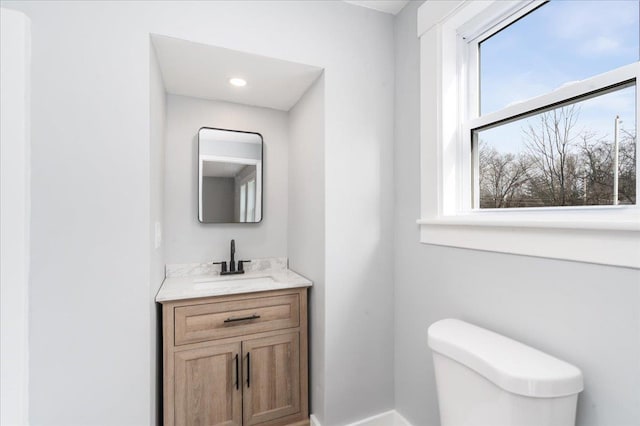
[599, 239]
[607, 235]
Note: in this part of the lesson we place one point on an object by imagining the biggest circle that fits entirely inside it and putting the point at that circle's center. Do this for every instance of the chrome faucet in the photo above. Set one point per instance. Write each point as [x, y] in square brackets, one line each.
[232, 263]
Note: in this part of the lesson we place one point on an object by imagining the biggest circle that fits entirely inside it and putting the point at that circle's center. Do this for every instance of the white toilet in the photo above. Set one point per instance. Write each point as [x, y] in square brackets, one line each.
[485, 379]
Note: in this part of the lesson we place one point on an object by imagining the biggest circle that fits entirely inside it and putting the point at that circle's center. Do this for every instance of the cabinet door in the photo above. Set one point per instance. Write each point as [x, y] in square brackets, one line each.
[207, 388]
[271, 378]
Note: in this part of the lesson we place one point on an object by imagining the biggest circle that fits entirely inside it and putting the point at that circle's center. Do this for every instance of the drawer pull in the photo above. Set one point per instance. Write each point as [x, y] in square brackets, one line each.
[251, 317]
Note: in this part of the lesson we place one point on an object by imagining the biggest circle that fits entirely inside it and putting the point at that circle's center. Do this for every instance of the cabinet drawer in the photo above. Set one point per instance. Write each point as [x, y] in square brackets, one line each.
[211, 321]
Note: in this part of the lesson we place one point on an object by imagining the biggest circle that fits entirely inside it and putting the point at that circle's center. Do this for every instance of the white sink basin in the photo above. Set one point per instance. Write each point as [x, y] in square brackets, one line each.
[197, 286]
[202, 283]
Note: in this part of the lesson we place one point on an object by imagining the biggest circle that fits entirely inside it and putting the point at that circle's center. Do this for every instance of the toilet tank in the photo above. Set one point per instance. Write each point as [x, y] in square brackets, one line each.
[485, 379]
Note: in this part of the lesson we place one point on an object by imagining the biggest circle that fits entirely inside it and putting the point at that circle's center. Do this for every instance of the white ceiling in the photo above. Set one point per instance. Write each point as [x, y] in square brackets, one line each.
[203, 71]
[220, 169]
[386, 6]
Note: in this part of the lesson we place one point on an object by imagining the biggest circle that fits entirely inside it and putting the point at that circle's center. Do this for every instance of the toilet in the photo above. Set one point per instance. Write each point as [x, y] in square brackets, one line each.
[485, 379]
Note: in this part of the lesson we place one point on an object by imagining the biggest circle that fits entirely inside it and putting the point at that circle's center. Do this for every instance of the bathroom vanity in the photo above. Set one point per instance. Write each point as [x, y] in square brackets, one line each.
[235, 348]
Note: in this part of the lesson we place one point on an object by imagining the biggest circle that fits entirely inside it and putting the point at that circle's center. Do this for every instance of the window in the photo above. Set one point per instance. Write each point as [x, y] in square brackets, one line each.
[248, 197]
[576, 149]
[529, 112]
[251, 200]
[243, 203]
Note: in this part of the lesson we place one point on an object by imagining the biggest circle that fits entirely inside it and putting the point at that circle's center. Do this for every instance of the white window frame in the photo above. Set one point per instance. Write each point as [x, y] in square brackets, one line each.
[448, 32]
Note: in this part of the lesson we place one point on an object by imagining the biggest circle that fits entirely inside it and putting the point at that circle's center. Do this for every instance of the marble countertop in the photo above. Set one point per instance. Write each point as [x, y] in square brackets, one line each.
[191, 286]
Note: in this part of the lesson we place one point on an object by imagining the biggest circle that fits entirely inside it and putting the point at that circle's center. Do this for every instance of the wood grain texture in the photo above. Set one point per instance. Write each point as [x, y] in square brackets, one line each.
[207, 322]
[205, 387]
[304, 356]
[196, 371]
[231, 297]
[300, 423]
[274, 388]
[167, 365]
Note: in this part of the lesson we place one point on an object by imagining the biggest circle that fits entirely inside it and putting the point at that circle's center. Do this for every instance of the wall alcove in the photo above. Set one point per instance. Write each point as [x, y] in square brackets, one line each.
[284, 102]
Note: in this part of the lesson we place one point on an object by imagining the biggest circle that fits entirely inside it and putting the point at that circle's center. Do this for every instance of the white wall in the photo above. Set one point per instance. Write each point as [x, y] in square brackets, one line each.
[89, 286]
[306, 225]
[586, 314]
[359, 203]
[15, 58]
[157, 123]
[215, 189]
[188, 240]
[91, 280]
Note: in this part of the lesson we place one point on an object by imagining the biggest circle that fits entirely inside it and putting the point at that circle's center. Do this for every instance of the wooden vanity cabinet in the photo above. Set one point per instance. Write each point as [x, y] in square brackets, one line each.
[236, 360]
[205, 389]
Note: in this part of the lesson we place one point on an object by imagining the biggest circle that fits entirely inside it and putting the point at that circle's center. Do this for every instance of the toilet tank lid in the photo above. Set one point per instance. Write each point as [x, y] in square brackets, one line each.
[509, 364]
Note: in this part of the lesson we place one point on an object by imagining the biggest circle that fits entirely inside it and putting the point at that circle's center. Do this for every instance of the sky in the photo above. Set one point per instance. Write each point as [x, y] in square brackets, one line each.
[560, 42]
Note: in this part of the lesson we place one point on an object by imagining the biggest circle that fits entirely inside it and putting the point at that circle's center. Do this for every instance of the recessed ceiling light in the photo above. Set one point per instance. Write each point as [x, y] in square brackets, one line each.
[238, 82]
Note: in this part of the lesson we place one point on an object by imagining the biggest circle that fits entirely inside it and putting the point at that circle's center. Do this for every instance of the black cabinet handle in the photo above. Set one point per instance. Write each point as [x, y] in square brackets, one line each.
[237, 373]
[250, 317]
[248, 369]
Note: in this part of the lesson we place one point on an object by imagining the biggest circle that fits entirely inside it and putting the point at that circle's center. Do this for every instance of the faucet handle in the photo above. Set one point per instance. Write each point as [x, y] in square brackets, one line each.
[241, 264]
[223, 266]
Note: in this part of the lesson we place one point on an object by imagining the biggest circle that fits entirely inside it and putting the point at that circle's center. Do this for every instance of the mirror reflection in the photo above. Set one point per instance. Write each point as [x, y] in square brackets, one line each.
[229, 176]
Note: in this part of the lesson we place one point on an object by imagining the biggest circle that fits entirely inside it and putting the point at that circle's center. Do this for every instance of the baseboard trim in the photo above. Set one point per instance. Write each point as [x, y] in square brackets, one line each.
[388, 418]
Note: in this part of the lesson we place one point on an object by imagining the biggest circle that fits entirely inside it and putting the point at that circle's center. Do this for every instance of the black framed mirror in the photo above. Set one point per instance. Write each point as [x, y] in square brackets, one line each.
[229, 176]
